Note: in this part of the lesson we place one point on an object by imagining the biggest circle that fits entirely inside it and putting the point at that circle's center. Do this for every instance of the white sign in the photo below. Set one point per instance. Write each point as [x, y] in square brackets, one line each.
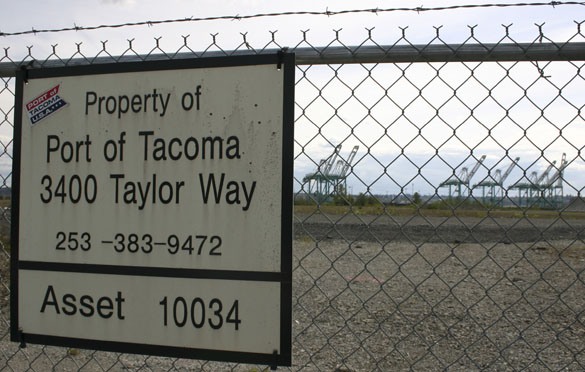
[180, 312]
[157, 194]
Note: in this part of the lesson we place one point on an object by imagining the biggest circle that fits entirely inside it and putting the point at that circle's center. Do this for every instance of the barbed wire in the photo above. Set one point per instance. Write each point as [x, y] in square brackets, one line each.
[327, 12]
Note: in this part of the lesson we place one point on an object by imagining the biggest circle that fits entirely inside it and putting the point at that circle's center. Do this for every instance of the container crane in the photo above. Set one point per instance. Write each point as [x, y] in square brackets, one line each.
[331, 160]
[553, 188]
[544, 189]
[493, 189]
[541, 180]
[350, 158]
[508, 171]
[330, 175]
[462, 179]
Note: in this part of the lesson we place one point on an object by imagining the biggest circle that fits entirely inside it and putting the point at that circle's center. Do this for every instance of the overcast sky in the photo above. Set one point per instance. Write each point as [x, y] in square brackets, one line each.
[558, 25]
[28, 14]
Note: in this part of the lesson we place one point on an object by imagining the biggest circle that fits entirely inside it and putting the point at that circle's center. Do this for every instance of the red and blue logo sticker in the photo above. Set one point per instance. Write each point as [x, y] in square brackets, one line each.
[44, 105]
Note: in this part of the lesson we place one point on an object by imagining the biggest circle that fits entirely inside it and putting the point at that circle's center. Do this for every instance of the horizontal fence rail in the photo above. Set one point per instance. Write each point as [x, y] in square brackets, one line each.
[358, 54]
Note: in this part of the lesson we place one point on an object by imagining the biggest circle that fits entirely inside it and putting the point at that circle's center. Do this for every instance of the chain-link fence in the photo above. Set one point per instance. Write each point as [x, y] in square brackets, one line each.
[438, 221]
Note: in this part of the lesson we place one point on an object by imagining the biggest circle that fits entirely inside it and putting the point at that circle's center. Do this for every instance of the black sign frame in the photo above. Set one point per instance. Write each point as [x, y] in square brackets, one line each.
[281, 60]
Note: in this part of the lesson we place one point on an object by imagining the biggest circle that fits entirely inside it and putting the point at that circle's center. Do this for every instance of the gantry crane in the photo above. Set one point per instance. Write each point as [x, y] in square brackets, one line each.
[544, 190]
[492, 188]
[553, 187]
[529, 189]
[456, 182]
[543, 179]
[330, 176]
[331, 160]
[342, 166]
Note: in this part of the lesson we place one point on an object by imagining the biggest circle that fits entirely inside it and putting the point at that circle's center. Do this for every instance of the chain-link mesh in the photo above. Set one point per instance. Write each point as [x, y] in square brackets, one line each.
[438, 220]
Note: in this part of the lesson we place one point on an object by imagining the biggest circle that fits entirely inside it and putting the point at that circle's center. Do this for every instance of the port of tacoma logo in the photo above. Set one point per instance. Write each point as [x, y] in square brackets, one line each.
[44, 105]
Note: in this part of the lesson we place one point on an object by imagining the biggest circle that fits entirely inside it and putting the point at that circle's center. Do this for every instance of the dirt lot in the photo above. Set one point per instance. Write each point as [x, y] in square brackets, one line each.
[388, 293]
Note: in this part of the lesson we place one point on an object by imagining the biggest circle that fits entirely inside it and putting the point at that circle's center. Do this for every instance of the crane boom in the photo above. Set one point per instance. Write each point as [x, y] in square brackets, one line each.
[498, 176]
[349, 161]
[461, 177]
[337, 169]
[331, 160]
[559, 172]
[508, 171]
[475, 168]
[545, 173]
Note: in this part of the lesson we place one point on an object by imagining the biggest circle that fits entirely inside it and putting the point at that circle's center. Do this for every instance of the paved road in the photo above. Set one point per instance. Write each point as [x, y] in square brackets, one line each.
[436, 229]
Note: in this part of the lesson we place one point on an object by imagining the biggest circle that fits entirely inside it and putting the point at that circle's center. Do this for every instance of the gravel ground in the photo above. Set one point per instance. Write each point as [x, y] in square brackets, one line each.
[404, 293]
